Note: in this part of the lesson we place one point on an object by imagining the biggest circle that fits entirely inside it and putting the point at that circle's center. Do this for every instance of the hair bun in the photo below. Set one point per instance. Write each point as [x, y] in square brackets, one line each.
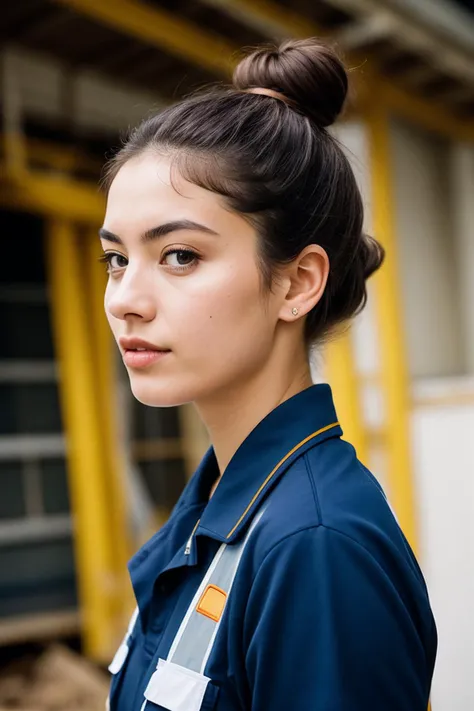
[371, 255]
[308, 72]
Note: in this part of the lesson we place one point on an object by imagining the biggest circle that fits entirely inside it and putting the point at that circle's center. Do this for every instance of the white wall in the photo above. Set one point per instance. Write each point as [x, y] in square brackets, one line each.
[97, 103]
[462, 177]
[443, 447]
[427, 268]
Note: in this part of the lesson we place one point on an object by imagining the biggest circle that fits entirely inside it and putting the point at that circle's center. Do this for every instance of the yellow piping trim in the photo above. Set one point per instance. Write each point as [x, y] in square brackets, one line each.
[282, 461]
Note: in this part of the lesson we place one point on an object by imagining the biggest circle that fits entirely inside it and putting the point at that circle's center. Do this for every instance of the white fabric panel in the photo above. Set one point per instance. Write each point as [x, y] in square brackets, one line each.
[176, 688]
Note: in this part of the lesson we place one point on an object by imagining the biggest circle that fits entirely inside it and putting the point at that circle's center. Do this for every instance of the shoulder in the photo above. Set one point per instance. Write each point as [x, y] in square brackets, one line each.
[327, 486]
[328, 499]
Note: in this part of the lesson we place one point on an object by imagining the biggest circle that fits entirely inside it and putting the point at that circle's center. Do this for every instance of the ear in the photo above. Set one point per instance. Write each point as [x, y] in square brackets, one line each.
[307, 275]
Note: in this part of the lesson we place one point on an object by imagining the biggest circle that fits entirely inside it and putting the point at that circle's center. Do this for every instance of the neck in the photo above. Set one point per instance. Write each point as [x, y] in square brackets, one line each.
[231, 415]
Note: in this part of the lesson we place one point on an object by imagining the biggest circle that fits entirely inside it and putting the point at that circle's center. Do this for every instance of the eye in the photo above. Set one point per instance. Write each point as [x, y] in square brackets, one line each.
[180, 259]
[114, 261]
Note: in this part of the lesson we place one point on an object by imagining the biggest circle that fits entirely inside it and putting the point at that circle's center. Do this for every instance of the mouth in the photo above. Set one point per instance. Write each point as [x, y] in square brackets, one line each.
[137, 353]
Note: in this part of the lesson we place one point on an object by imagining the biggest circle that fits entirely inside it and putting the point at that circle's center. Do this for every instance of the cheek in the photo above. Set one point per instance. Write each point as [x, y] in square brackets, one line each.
[225, 309]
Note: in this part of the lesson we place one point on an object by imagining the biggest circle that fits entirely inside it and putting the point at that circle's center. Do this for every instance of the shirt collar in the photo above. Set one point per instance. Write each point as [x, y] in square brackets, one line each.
[296, 425]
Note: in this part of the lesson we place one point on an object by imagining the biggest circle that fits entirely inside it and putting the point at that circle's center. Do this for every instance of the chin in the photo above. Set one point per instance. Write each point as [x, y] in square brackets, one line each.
[160, 392]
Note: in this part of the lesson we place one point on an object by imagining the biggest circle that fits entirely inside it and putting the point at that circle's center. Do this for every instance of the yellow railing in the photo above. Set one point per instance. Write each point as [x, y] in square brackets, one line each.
[85, 451]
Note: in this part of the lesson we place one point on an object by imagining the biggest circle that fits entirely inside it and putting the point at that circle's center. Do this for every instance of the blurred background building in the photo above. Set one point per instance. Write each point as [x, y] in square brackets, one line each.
[86, 473]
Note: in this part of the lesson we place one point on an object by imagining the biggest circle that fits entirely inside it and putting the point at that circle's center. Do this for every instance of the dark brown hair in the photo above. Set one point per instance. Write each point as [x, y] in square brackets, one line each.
[275, 163]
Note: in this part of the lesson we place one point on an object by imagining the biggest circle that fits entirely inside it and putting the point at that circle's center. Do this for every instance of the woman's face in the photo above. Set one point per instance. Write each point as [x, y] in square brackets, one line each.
[184, 286]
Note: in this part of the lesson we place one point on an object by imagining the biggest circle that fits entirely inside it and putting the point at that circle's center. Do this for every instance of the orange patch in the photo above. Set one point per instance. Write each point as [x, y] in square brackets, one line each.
[212, 602]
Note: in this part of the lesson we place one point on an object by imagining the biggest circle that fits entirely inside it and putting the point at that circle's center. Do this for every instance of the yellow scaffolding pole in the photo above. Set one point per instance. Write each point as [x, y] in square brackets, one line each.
[394, 380]
[102, 351]
[84, 448]
[341, 374]
[52, 196]
[157, 27]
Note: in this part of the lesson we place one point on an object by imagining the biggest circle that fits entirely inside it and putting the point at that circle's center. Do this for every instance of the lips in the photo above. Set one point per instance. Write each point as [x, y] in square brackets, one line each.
[138, 344]
[138, 353]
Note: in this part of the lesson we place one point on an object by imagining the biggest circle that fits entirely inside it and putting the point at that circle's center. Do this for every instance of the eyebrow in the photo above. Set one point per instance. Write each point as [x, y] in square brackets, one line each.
[160, 231]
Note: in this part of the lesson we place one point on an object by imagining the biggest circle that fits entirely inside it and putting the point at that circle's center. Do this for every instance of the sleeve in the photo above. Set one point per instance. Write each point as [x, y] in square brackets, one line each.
[326, 630]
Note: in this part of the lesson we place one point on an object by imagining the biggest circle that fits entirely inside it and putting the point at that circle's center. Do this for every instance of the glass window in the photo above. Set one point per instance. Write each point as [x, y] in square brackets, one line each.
[37, 577]
[155, 422]
[55, 486]
[26, 330]
[29, 409]
[12, 496]
[165, 480]
[22, 248]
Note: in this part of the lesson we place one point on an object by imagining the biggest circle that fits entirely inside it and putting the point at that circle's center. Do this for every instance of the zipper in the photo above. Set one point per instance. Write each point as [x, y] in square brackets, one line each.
[187, 550]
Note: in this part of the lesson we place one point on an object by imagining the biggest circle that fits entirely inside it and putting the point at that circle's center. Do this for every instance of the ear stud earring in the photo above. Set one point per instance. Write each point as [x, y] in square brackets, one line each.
[294, 311]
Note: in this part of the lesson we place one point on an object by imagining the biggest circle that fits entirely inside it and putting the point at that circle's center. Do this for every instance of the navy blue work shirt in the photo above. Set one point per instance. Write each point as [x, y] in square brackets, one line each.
[329, 610]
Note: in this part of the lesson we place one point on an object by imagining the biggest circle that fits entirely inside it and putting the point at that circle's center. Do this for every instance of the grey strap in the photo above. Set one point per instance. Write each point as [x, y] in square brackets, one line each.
[195, 638]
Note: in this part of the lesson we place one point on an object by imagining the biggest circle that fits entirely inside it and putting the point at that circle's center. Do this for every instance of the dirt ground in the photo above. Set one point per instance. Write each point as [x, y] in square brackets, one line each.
[57, 680]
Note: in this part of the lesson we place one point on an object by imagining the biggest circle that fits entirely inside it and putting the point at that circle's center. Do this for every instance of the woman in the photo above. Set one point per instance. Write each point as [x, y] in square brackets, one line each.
[233, 239]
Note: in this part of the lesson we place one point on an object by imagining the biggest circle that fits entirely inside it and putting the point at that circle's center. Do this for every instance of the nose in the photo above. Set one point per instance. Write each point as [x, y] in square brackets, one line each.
[131, 297]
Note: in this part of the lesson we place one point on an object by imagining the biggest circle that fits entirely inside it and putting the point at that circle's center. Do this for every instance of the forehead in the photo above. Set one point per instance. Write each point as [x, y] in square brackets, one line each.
[148, 191]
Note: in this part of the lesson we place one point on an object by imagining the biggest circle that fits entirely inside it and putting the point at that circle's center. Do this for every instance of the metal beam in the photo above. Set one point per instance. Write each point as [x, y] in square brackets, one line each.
[418, 75]
[52, 196]
[151, 24]
[365, 31]
[159, 28]
[271, 19]
[425, 113]
[28, 371]
[28, 446]
[413, 34]
[38, 528]
[457, 95]
[445, 17]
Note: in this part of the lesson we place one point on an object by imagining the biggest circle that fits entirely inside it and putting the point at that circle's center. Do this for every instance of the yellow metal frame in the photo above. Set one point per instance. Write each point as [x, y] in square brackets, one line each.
[428, 116]
[63, 159]
[20, 153]
[341, 374]
[52, 196]
[393, 361]
[94, 555]
[159, 28]
[102, 351]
